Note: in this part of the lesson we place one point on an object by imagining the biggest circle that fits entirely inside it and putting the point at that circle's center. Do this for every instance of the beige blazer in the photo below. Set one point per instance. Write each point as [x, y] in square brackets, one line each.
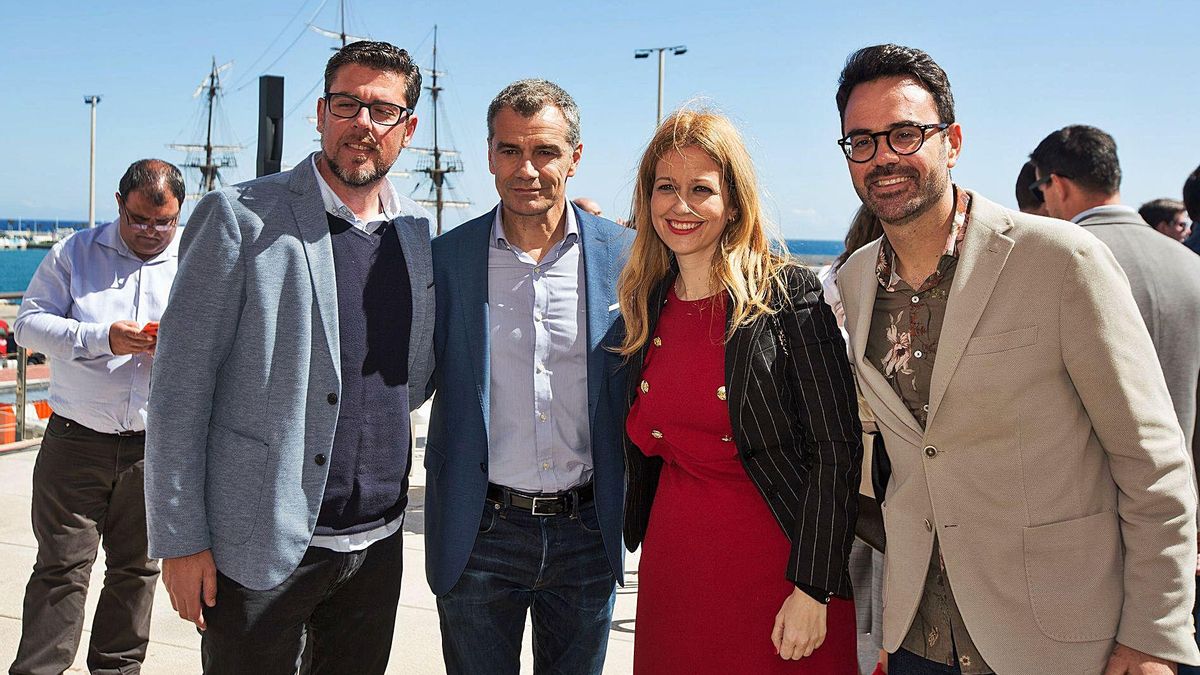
[1052, 467]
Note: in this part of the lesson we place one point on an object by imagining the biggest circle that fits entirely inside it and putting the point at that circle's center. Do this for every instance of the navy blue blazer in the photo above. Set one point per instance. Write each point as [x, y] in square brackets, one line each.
[456, 453]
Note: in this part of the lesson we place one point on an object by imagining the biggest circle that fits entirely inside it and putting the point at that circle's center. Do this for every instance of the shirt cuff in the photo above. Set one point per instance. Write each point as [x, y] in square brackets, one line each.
[95, 339]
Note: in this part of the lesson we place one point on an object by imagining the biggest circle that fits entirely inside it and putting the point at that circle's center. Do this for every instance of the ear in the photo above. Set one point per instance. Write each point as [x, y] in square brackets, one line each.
[576, 155]
[954, 140]
[491, 159]
[410, 128]
[320, 115]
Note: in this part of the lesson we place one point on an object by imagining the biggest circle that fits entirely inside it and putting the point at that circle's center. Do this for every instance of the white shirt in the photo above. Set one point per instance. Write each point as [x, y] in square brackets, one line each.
[85, 283]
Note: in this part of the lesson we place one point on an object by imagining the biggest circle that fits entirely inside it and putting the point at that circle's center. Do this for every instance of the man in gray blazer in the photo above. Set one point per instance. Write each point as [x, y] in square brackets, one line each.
[1080, 178]
[298, 340]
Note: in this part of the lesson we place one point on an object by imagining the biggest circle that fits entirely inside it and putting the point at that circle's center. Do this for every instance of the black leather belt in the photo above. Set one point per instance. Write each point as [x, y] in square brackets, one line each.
[123, 434]
[558, 503]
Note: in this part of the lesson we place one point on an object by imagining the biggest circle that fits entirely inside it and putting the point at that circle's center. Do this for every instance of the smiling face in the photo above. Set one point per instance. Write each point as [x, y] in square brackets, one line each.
[689, 206]
[532, 158]
[357, 151]
[900, 188]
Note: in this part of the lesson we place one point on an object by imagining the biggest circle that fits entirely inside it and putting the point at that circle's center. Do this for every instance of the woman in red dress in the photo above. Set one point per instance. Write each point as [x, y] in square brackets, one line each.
[744, 444]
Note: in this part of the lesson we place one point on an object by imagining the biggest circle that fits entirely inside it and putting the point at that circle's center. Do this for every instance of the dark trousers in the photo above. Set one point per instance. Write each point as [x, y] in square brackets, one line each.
[904, 662]
[87, 491]
[343, 605]
[553, 567]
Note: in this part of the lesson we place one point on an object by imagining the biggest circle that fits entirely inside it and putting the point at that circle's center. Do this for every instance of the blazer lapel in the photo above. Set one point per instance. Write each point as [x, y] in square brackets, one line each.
[984, 251]
[308, 210]
[474, 289]
[859, 326]
[600, 274]
[414, 243]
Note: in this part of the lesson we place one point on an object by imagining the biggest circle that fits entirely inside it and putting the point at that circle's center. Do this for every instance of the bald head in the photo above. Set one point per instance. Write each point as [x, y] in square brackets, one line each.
[588, 205]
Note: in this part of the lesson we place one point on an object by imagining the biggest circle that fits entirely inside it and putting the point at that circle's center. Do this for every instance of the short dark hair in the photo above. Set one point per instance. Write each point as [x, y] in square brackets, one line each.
[1160, 211]
[1028, 200]
[378, 56]
[1191, 195]
[155, 179]
[872, 63]
[528, 97]
[1084, 154]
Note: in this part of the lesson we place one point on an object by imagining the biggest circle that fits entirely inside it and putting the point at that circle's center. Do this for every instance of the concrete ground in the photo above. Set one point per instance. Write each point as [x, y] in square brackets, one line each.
[175, 645]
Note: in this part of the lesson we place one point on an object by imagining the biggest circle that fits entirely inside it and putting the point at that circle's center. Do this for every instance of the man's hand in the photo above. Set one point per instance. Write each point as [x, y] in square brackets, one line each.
[799, 626]
[1127, 660]
[126, 337]
[191, 580]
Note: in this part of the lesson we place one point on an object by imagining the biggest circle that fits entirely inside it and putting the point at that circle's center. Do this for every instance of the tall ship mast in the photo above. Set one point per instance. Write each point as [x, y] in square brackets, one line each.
[437, 162]
[340, 35]
[215, 157]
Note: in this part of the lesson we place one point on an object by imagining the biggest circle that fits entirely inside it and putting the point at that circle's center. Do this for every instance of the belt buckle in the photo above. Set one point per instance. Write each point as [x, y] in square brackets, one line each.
[542, 500]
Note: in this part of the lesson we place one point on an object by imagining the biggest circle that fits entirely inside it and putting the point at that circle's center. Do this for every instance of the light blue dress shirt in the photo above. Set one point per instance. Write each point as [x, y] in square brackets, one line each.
[85, 283]
[538, 440]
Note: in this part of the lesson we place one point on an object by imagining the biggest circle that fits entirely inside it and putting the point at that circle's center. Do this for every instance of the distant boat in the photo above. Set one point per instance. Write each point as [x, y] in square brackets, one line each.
[12, 243]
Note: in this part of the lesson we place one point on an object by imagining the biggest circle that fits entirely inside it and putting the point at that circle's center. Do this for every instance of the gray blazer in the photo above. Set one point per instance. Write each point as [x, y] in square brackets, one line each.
[247, 376]
[1165, 279]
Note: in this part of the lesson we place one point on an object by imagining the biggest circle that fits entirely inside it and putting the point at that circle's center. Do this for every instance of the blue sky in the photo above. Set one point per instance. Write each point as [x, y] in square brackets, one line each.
[1019, 70]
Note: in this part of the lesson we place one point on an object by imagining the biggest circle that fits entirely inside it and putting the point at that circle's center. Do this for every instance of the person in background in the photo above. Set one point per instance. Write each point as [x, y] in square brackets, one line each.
[1029, 201]
[1035, 456]
[1079, 175]
[1168, 216]
[526, 478]
[279, 445]
[88, 307]
[745, 448]
[1191, 201]
[588, 205]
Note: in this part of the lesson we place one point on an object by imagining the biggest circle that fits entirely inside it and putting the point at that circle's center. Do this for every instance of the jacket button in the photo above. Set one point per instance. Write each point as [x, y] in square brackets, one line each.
[749, 453]
[319, 459]
[332, 398]
[928, 526]
[483, 467]
[930, 451]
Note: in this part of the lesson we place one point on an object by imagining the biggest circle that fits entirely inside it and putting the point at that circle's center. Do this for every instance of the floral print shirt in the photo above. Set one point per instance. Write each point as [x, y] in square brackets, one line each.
[902, 343]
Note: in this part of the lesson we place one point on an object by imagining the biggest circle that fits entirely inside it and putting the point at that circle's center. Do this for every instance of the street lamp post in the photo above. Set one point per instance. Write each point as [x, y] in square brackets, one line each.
[93, 101]
[677, 50]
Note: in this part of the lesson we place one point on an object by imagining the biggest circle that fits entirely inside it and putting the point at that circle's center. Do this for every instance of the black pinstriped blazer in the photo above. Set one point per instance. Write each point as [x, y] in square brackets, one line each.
[795, 424]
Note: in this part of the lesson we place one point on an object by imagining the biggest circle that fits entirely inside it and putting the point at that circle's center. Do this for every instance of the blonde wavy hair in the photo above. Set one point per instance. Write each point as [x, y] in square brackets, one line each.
[744, 262]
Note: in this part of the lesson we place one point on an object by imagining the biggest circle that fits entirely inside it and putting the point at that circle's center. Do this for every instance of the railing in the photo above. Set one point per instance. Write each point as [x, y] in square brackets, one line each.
[22, 383]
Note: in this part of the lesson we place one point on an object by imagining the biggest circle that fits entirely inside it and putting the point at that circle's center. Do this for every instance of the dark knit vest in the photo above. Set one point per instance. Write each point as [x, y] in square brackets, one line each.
[368, 466]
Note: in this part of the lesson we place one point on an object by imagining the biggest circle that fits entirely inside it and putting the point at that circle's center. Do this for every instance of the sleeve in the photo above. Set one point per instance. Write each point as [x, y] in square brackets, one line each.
[207, 292]
[43, 323]
[1112, 364]
[827, 407]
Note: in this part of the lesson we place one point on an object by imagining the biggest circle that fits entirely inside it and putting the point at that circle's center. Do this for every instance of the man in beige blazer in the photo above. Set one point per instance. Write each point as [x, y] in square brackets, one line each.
[1040, 515]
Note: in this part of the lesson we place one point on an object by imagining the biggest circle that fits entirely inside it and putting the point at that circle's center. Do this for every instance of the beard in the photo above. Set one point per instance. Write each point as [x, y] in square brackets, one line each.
[925, 194]
[365, 174]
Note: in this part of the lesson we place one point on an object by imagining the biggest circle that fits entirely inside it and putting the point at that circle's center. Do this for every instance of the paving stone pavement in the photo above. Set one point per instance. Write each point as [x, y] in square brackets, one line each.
[174, 643]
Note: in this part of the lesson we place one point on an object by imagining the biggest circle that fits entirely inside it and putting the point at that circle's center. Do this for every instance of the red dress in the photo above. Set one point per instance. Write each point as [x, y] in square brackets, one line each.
[712, 572]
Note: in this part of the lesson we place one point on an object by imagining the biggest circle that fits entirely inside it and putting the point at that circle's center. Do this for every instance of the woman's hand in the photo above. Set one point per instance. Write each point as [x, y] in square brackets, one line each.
[799, 626]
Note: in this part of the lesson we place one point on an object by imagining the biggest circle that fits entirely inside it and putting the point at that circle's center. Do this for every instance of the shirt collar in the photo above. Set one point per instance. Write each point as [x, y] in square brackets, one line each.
[388, 200]
[499, 241]
[885, 268]
[1105, 209]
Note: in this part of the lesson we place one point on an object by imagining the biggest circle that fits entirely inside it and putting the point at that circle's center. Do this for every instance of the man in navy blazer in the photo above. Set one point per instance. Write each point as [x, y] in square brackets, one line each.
[524, 461]
[297, 340]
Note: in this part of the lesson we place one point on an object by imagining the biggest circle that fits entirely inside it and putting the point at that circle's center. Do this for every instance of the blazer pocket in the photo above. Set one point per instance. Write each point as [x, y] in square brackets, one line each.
[237, 467]
[1074, 569]
[434, 459]
[991, 344]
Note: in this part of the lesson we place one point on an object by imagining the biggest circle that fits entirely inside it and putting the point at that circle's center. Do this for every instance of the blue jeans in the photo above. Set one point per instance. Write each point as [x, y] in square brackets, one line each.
[551, 566]
[904, 662]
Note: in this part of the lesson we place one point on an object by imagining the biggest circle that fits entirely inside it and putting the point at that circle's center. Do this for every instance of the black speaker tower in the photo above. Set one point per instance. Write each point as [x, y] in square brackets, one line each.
[270, 124]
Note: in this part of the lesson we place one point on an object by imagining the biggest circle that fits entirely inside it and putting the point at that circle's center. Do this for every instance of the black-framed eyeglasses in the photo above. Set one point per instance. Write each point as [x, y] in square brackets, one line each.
[904, 139]
[161, 225]
[381, 112]
[1036, 186]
